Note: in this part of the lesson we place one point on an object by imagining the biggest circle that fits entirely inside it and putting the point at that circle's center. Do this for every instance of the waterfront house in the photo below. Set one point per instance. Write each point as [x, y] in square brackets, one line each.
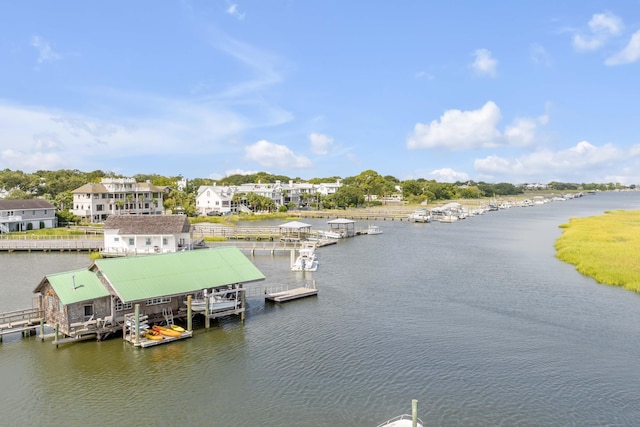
[146, 234]
[96, 201]
[104, 293]
[26, 214]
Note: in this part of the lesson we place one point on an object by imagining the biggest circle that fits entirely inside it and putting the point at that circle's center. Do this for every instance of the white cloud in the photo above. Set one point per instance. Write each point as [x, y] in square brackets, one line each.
[233, 11]
[602, 26]
[320, 144]
[539, 55]
[458, 130]
[45, 51]
[570, 163]
[628, 55]
[447, 175]
[484, 64]
[272, 155]
[63, 139]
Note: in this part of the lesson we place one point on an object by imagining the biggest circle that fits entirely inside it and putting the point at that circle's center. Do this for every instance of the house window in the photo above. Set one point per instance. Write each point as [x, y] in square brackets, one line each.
[165, 241]
[121, 306]
[33, 212]
[98, 208]
[131, 242]
[160, 300]
[88, 312]
[147, 241]
[45, 211]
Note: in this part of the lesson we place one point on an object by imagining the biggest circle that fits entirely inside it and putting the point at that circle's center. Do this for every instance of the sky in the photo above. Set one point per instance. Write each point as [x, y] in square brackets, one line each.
[493, 91]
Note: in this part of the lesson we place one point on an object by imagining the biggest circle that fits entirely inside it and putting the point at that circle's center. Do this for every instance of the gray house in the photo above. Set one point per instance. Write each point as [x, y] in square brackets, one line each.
[27, 214]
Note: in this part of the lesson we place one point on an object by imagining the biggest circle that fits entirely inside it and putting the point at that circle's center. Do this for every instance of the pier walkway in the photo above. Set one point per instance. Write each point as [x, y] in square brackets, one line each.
[24, 321]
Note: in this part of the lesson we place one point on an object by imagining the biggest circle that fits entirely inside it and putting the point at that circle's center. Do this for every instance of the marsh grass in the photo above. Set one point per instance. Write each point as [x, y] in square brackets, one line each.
[604, 247]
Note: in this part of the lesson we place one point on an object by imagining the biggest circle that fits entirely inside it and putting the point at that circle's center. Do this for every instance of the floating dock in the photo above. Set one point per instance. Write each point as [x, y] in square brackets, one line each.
[291, 294]
[146, 342]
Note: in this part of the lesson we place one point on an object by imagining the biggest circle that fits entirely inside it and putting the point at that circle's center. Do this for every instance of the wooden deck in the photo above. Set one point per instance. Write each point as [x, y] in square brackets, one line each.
[145, 342]
[12, 322]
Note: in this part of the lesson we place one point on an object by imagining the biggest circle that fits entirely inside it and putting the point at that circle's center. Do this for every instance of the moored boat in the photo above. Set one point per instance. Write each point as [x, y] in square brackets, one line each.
[405, 420]
[306, 260]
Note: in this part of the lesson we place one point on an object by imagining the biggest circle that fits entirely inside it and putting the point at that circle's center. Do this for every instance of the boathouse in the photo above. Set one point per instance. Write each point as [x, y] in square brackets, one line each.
[294, 231]
[97, 299]
[341, 227]
[146, 234]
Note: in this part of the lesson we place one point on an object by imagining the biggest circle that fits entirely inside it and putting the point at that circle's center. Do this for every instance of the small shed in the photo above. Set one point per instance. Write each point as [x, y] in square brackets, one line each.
[294, 230]
[342, 226]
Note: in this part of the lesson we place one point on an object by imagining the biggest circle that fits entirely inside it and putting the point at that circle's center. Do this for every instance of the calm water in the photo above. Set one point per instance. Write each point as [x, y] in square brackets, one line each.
[477, 320]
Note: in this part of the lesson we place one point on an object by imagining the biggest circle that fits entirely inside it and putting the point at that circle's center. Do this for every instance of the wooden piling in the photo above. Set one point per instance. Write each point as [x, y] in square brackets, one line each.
[189, 321]
[206, 312]
[136, 340]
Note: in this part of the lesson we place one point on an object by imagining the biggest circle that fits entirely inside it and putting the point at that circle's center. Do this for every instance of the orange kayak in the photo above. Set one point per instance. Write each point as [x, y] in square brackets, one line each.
[166, 331]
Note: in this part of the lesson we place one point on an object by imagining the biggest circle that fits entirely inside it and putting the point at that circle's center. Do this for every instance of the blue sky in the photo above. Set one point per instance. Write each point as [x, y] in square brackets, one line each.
[494, 91]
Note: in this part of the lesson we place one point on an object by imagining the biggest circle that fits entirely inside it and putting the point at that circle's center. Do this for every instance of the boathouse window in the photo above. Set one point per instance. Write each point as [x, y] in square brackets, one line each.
[88, 312]
[120, 306]
[160, 300]
[60, 306]
[50, 302]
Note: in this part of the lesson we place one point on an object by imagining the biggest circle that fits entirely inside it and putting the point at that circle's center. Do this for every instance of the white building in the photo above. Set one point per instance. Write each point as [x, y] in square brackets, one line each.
[26, 214]
[215, 198]
[146, 234]
[117, 196]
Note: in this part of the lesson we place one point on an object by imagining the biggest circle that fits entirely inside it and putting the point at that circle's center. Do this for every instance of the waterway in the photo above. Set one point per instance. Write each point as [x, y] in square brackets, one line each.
[477, 320]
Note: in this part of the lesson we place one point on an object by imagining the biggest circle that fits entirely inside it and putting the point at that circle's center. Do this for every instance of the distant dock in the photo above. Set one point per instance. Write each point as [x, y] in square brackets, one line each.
[277, 295]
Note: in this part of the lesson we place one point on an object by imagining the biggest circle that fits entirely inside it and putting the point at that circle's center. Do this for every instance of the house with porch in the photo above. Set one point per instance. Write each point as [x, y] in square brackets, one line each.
[146, 234]
[98, 298]
[96, 201]
[26, 214]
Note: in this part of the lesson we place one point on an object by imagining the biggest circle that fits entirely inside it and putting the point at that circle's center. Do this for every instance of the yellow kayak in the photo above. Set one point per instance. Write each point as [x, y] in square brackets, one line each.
[177, 328]
[151, 336]
[166, 331]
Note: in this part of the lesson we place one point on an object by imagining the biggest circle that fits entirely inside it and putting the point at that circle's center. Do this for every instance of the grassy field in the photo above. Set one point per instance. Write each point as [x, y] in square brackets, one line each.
[605, 247]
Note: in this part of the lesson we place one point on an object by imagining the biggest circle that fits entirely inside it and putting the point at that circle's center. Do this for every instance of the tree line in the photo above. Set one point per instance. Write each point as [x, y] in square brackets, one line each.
[365, 189]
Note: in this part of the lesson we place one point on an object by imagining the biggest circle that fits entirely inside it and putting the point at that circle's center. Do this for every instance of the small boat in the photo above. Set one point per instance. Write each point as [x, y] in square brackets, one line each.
[374, 229]
[405, 420]
[166, 331]
[306, 260]
[421, 215]
[177, 328]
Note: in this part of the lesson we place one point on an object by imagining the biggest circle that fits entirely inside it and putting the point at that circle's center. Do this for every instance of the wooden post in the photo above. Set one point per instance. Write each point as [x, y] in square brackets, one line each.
[414, 413]
[57, 333]
[42, 329]
[137, 325]
[189, 322]
[293, 256]
[243, 300]
[206, 312]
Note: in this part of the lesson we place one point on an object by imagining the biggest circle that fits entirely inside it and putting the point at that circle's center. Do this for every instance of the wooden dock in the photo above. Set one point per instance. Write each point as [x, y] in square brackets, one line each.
[285, 295]
[25, 320]
[51, 244]
[146, 342]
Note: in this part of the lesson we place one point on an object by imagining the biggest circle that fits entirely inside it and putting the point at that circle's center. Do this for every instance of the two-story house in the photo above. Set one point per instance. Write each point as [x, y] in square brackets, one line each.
[96, 201]
[27, 214]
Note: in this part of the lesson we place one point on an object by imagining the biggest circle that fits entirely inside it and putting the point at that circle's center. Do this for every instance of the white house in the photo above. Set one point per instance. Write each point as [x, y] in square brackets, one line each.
[146, 234]
[96, 202]
[215, 198]
[26, 214]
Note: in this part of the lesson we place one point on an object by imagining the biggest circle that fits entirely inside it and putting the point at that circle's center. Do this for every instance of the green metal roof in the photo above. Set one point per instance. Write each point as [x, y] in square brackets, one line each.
[152, 276]
[77, 286]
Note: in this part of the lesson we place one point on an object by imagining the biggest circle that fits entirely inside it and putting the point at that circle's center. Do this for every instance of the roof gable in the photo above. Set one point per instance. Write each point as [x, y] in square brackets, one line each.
[148, 224]
[140, 278]
[76, 286]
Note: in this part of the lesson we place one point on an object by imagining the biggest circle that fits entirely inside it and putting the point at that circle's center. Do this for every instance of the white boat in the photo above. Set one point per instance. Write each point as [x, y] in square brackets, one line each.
[306, 260]
[405, 420]
[221, 301]
[374, 229]
[421, 215]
